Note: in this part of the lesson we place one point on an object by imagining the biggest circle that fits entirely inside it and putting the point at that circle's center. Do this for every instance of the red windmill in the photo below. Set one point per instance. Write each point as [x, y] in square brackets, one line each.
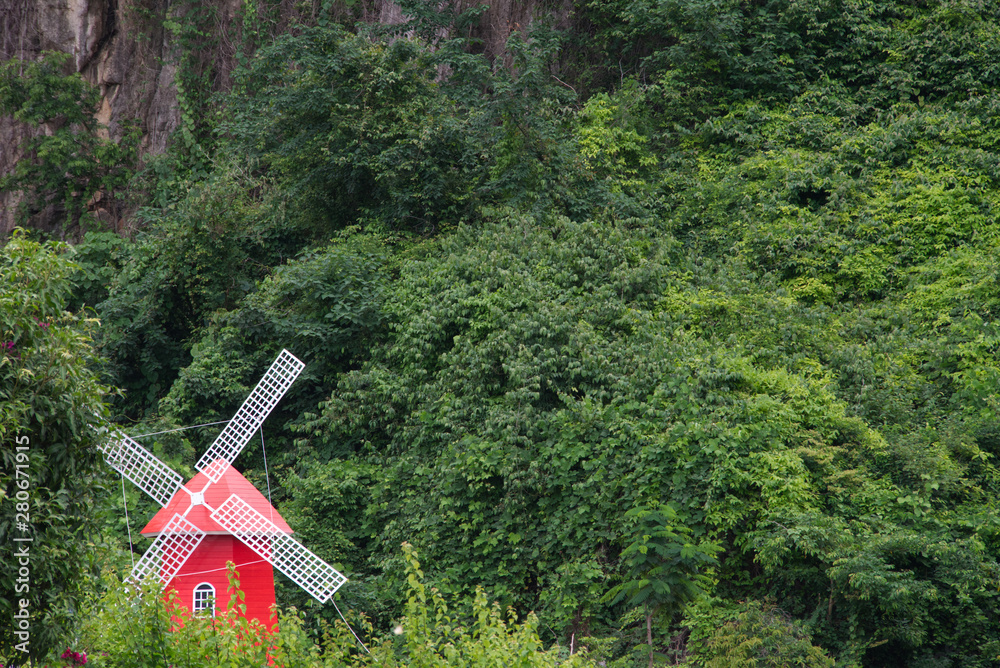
[218, 516]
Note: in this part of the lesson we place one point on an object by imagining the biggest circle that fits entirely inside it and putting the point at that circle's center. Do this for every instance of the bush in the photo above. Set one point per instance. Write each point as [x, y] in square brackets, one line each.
[755, 633]
[49, 398]
[137, 627]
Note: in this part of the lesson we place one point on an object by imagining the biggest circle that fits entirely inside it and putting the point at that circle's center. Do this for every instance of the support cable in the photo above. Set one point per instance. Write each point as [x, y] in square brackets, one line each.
[168, 431]
[127, 525]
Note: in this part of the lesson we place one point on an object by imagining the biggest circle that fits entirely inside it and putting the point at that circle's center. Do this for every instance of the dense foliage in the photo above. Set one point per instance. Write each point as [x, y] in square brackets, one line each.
[50, 399]
[689, 347]
[126, 628]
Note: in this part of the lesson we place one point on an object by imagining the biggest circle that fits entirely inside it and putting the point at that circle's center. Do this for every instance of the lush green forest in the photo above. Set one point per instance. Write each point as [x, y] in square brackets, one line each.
[676, 327]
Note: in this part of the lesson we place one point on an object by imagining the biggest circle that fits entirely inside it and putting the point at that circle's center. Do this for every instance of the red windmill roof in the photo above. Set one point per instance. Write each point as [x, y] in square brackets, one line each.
[231, 482]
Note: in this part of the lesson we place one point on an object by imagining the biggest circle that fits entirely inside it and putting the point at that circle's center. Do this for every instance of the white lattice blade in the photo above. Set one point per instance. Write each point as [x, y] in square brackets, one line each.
[165, 557]
[250, 416]
[141, 467]
[318, 578]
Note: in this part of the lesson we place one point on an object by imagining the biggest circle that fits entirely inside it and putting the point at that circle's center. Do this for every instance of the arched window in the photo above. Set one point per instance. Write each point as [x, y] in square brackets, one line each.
[204, 599]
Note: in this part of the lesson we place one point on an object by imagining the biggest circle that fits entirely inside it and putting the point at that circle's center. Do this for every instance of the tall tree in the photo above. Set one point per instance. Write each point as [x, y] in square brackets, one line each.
[50, 398]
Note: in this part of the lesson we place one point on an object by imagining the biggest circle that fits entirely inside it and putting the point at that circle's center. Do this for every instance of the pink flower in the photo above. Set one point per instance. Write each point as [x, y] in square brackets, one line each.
[75, 658]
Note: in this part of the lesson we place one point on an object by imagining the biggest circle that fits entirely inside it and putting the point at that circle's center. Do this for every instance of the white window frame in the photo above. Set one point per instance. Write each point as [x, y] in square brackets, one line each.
[208, 603]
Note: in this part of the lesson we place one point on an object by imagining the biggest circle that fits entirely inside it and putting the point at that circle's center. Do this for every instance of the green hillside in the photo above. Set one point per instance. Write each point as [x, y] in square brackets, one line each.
[675, 323]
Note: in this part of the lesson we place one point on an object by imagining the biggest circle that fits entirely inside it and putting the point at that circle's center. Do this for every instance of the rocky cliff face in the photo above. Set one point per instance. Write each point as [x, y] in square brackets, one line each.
[124, 48]
[133, 72]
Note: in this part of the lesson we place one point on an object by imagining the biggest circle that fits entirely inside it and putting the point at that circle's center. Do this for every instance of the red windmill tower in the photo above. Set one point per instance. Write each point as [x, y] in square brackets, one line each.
[218, 516]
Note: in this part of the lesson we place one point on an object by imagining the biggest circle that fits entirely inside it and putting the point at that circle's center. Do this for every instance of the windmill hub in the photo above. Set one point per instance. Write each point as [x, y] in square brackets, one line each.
[197, 498]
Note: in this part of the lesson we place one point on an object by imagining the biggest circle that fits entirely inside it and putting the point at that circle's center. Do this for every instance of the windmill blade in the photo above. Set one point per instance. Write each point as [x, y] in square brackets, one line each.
[251, 414]
[317, 577]
[141, 467]
[164, 558]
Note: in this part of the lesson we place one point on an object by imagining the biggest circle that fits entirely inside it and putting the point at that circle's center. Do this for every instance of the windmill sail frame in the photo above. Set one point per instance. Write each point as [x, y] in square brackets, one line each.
[285, 553]
[168, 553]
[141, 467]
[255, 409]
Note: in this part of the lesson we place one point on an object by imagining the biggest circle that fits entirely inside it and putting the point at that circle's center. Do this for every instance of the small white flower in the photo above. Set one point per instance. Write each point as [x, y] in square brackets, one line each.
[398, 630]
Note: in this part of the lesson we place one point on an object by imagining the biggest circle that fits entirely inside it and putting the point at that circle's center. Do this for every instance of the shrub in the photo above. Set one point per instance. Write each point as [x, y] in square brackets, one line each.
[49, 396]
[754, 634]
[137, 627]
